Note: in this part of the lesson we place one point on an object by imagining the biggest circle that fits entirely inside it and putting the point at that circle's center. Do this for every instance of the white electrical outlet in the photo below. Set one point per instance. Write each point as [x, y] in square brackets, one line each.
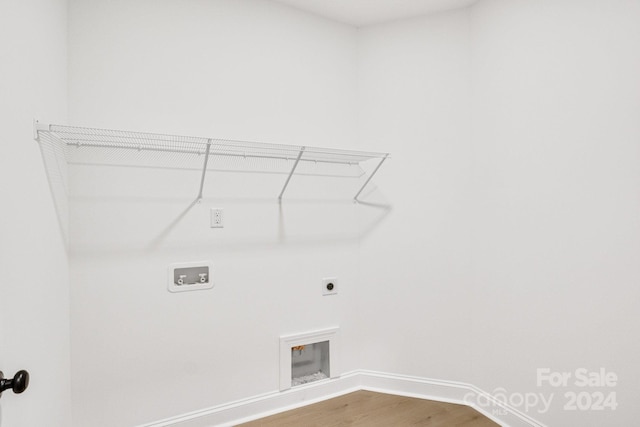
[217, 218]
[330, 286]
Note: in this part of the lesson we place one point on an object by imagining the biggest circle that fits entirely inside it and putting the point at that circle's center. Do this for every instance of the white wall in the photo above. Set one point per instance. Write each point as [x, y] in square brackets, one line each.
[556, 182]
[34, 293]
[501, 237]
[414, 100]
[513, 237]
[249, 70]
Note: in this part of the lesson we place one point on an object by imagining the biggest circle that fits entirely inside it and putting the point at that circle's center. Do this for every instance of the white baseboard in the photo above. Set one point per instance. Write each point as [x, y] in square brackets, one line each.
[245, 410]
[447, 391]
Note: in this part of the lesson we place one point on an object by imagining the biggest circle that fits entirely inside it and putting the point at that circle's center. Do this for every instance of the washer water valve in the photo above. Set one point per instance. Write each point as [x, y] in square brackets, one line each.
[190, 276]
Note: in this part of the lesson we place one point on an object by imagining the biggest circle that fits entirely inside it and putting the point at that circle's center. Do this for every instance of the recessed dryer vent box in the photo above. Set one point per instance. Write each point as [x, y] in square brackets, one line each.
[309, 363]
[190, 276]
[308, 357]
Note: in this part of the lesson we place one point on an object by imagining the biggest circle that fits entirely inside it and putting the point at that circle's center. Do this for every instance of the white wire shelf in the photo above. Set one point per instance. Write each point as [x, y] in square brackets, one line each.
[91, 146]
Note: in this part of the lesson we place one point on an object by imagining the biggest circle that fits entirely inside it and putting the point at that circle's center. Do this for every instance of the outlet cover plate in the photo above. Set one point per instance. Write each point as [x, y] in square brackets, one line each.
[217, 218]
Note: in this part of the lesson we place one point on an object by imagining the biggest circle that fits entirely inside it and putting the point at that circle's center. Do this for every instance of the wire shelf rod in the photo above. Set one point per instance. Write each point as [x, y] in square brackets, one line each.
[198, 152]
[90, 138]
[223, 146]
[214, 151]
[75, 130]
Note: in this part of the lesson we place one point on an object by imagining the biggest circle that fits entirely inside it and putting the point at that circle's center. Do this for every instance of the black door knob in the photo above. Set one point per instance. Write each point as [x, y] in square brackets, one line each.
[18, 384]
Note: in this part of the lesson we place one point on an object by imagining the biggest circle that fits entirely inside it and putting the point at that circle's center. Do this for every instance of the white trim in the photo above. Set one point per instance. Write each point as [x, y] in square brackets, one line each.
[260, 406]
[263, 405]
[447, 391]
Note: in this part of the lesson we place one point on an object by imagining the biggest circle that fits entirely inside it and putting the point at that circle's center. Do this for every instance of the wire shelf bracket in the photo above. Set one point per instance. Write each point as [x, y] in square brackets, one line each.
[355, 198]
[293, 169]
[204, 169]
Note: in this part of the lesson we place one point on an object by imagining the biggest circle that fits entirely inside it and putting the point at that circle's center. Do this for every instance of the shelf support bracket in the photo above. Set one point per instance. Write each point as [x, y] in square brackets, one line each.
[293, 169]
[355, 198]
[204, 169]
[37, 127]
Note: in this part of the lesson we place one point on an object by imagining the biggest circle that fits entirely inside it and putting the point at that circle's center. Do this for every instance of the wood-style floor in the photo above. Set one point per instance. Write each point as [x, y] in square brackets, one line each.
[365, 408]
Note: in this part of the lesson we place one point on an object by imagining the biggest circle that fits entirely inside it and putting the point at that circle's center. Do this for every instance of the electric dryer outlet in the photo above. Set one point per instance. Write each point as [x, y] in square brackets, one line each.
[330, 286]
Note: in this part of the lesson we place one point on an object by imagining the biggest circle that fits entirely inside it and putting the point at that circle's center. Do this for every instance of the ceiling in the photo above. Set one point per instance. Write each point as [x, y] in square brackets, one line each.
[360, 13]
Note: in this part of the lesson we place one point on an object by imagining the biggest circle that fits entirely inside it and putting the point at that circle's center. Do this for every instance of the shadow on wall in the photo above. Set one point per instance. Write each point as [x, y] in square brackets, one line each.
[382, 210]
[155, 243]
[258, 223]
[57, 176]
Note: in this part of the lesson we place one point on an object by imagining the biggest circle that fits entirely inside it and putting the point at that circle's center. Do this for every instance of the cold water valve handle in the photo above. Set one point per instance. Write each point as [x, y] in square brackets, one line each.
[18, 384]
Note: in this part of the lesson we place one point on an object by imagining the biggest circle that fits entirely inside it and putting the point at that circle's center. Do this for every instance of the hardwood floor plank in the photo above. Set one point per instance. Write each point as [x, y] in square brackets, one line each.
[369, 409]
